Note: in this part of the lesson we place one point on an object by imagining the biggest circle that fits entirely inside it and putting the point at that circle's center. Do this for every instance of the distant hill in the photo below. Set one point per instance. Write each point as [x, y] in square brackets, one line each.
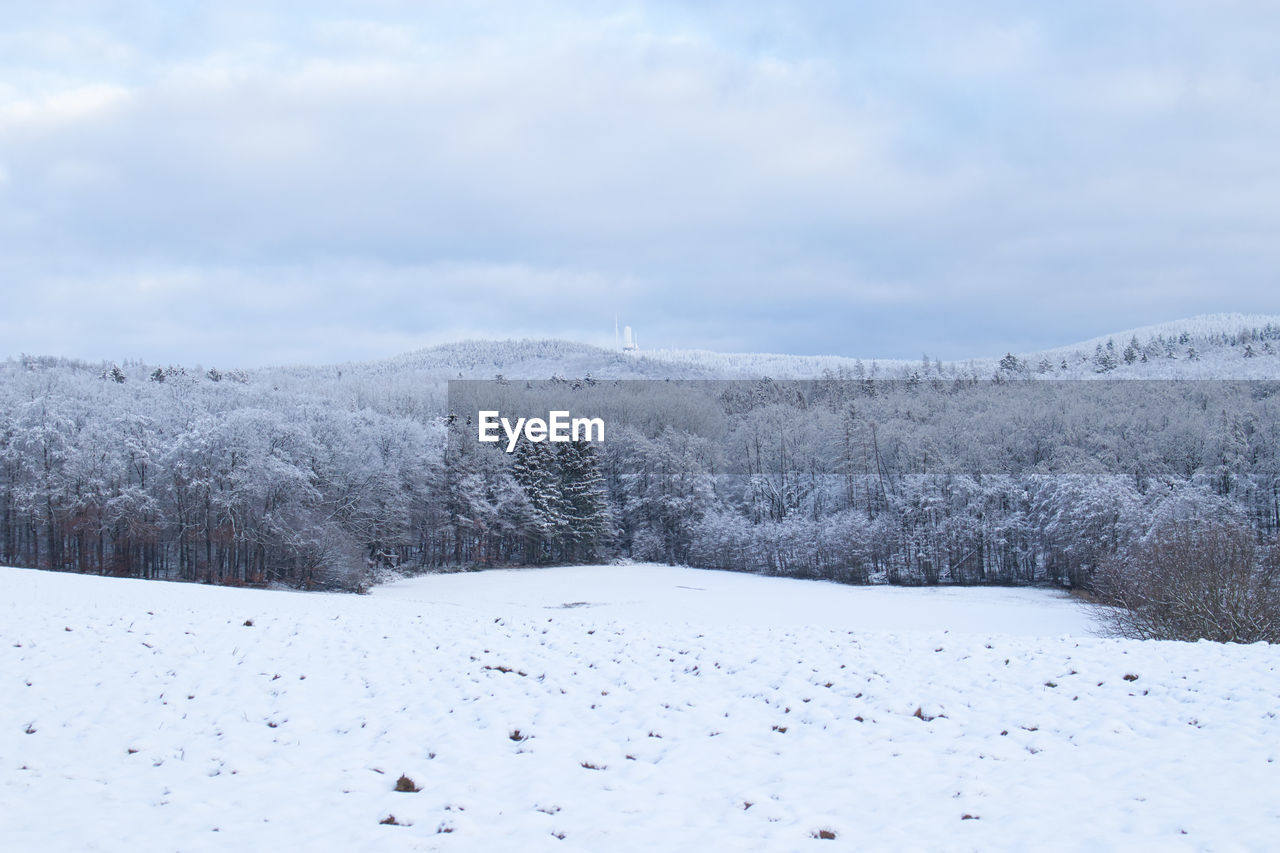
[1212, 346]
[1215, 346]
[1209, 346]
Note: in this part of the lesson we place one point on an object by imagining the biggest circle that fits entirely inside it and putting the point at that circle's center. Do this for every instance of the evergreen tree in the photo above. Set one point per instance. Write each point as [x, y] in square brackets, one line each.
[585, 500]
[535, 470]
[1104, 360]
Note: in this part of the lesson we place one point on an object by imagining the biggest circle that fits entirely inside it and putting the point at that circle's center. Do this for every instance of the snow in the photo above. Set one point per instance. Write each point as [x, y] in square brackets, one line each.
[1216, 360]
[657, 594]
[753, 365]
[138, 715]
[1200, 327]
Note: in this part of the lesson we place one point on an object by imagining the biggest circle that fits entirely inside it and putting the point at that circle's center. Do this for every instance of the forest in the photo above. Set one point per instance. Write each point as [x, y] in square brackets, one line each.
[318, 479]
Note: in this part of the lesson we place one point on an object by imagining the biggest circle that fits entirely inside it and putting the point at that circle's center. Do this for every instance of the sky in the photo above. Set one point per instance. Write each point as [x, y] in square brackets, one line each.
[249, 183]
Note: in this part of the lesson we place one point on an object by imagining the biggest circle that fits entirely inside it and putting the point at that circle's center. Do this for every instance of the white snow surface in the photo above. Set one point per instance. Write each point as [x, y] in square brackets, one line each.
[657, 594]
[674, 709]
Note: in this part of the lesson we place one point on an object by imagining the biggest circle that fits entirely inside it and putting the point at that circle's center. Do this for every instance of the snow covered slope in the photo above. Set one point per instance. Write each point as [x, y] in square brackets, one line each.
[1205, 347]
[1211, 346]
[735, 365]
[147, 716]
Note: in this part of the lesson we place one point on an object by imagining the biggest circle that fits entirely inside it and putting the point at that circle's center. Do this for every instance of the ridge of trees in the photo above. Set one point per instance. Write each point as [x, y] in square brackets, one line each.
[316, 476]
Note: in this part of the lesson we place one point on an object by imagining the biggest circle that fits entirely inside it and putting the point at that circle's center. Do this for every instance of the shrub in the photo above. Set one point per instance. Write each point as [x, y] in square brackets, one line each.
[1193, 579]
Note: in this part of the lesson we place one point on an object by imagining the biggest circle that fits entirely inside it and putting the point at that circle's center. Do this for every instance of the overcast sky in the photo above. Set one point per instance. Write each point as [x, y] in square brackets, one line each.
[250, 183]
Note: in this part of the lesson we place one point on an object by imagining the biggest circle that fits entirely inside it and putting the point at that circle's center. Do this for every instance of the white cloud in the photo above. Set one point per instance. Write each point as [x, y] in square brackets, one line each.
[56, 110]
[767, 168]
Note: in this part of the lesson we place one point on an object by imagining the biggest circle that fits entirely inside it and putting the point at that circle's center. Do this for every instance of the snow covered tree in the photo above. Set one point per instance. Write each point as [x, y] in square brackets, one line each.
[588, 523]
[1104, 358]
[1132, 350]
[535, 471]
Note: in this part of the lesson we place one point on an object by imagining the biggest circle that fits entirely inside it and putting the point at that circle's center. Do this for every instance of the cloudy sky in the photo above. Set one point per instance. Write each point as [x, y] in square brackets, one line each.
[251, 182]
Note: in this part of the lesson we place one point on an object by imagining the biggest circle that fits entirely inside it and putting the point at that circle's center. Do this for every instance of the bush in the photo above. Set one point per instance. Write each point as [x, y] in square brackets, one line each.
[1194, 579]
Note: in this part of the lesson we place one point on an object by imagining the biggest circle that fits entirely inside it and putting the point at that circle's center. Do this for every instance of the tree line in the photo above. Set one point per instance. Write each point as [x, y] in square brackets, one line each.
[268, 478]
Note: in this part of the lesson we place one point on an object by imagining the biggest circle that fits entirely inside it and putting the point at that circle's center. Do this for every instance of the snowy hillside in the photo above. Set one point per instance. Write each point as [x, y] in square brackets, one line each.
[311, 475]
[1214, 346]
[735, 365]
[1217, 346]
[1205, 347]
[1211, 346]
[549, 711]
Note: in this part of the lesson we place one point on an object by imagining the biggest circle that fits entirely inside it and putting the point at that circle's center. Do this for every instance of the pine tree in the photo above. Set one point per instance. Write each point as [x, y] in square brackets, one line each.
[1104, 360]
[535, 470]
[585, 499]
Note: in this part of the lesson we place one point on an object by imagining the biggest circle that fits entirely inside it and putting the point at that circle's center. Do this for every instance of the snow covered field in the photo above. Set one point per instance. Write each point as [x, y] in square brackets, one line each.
[672, 595]
[617, 708]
